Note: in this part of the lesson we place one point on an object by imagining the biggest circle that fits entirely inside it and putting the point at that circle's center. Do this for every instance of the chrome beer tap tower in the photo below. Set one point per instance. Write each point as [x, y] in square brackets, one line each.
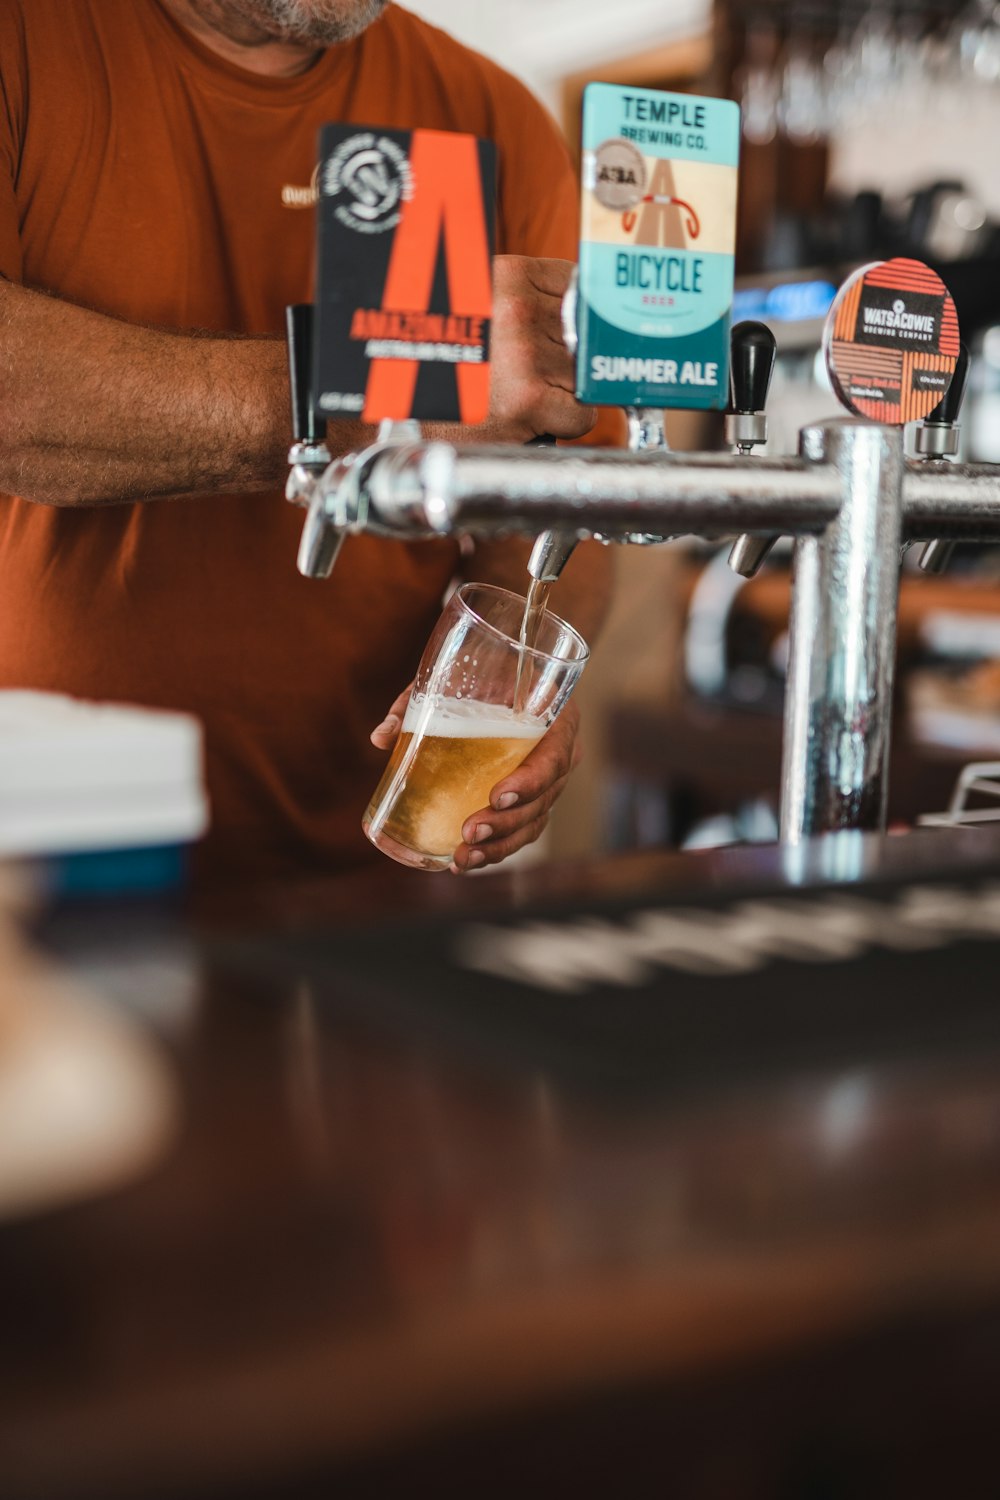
[851, 501]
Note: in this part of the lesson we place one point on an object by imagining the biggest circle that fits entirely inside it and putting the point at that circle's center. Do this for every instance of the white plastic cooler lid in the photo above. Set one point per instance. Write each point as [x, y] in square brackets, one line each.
[80, 776]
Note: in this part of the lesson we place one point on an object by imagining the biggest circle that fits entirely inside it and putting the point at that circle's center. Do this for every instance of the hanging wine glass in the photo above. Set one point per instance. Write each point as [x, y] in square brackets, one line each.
[874, 43]
[841, 76]
[965, 32]
[758, 85]
[802, 100]
[986, 57]
[909, 79]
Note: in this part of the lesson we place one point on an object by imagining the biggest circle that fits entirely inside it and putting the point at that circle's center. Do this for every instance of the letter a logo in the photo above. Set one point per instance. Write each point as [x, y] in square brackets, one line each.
[445, 218]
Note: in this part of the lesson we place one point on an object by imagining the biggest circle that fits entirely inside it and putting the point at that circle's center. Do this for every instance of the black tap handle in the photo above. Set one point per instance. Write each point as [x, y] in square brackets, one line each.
[299, 325]
[946, 413]
[753, 353]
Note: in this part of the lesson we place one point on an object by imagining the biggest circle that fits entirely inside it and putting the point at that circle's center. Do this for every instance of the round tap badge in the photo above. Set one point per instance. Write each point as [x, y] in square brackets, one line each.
[891, 341]
[616, 174]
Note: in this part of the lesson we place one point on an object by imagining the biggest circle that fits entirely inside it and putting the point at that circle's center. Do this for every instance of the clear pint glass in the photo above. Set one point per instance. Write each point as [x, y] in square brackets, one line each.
[480, 702]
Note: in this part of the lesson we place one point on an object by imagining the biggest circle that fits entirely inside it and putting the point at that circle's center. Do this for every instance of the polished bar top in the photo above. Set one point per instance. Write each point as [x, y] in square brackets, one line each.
[372, 1228]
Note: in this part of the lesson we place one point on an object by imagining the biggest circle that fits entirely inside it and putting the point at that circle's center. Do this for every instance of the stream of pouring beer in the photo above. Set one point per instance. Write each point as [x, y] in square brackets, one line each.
[534, 611]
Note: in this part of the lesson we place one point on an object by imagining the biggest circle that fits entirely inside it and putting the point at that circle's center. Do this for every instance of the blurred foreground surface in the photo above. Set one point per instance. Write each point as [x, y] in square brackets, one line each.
[721, 1215]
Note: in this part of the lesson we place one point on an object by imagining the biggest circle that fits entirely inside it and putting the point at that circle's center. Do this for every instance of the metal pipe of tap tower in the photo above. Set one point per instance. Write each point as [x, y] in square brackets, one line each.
[842, 639]
[441, 489]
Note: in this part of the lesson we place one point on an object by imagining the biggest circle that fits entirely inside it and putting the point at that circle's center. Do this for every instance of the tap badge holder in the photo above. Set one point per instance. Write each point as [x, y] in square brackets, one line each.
[658, 235]
[892, 341]
[406, 227]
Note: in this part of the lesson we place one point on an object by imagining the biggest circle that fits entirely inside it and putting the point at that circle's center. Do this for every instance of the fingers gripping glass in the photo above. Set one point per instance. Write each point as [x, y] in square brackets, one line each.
[463, 731]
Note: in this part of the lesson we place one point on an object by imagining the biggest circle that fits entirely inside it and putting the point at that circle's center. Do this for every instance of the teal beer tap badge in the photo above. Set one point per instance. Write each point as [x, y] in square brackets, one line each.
[658, 236]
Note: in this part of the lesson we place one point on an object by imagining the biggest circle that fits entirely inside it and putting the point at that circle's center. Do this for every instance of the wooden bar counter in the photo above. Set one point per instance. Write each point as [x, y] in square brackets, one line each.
[697, 1233]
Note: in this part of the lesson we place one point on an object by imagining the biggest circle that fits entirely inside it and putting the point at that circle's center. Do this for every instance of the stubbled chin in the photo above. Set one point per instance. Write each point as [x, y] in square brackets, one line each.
[320, 34]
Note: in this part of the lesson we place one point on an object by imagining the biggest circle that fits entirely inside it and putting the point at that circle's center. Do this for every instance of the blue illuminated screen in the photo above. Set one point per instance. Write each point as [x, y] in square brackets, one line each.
[790, 302]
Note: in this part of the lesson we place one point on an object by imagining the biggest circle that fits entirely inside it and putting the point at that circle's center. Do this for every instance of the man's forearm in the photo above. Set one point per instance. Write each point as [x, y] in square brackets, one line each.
[94, 410]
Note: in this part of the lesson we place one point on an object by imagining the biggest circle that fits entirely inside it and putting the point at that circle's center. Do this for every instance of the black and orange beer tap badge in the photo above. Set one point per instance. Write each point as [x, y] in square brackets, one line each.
[892, 341]
[404, 284]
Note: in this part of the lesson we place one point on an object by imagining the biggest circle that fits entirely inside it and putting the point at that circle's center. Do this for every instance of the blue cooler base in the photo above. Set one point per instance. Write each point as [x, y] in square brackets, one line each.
[108, 872]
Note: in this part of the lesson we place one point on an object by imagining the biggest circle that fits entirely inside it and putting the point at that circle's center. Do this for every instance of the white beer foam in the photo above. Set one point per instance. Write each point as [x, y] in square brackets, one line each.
[465, 719]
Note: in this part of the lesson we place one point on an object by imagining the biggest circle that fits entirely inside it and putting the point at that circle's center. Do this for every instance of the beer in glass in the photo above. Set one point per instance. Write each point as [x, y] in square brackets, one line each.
[462, 732]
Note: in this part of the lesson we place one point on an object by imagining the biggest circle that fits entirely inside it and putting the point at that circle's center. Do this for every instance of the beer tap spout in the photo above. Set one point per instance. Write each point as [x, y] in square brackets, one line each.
[550, 554]
[553, 549]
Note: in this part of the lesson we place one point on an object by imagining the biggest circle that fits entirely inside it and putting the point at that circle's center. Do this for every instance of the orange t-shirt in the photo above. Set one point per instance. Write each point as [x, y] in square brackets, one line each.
[144, 176]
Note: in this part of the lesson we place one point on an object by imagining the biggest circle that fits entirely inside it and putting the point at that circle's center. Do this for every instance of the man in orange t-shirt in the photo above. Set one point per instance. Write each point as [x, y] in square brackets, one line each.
[155, 219]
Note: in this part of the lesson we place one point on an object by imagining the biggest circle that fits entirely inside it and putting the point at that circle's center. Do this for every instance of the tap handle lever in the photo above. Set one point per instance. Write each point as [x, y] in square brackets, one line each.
[753, 352]
[948, 409]
[299, 323]
[937, 438]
